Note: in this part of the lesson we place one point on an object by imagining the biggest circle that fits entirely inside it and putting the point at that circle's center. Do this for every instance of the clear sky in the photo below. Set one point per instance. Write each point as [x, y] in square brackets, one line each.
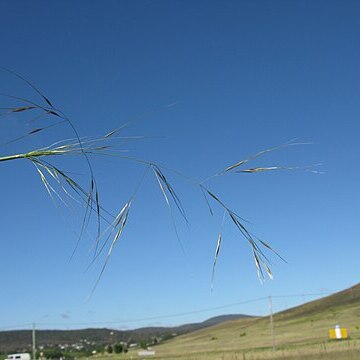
[243, 76]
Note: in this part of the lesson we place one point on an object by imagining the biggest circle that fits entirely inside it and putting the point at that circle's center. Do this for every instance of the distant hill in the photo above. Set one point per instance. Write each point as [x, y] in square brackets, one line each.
[20, 340]
[305, 325]
[183, 329]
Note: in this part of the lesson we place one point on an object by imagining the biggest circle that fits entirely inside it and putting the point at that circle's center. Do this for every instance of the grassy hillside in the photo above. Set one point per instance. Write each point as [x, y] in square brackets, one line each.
[302, 327]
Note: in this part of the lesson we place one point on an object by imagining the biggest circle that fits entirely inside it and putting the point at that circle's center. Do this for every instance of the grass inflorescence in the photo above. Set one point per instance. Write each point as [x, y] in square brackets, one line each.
[62, 186]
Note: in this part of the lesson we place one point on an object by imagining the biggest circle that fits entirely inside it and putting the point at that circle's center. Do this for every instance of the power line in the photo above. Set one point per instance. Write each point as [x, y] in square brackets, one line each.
[14, 327]
[123, 321]
[162, 316]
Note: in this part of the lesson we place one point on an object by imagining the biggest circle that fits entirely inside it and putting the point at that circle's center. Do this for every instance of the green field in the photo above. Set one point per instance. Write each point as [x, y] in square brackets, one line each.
[300, 333]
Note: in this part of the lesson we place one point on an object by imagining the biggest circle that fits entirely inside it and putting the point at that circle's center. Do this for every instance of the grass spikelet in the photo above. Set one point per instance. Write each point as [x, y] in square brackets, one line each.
[164, 184]
[22, 108]
[215, 259]
[259, 154]
[119, 224]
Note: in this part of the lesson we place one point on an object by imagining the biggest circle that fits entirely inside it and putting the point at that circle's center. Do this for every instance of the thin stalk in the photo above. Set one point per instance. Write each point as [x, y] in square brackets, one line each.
[12, 157]
[32, 154]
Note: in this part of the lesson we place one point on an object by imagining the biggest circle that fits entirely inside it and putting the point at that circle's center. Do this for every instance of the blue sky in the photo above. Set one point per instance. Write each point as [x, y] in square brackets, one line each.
[244, 76]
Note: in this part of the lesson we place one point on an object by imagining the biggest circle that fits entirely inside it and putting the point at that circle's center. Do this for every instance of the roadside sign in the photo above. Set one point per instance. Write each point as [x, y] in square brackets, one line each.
[338, 333]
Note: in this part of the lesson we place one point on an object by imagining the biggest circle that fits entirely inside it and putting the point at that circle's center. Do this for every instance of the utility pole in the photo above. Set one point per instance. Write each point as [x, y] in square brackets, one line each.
[33, 342]
[272, 324]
